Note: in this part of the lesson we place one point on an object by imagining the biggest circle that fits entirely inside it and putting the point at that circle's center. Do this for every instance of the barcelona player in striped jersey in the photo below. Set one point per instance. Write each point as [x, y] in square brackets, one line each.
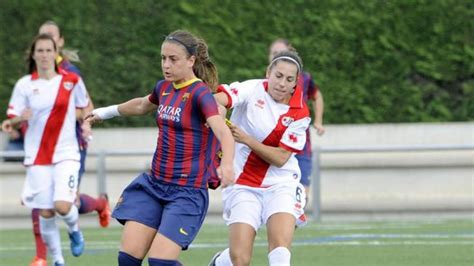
[163, 211]
[313, 94]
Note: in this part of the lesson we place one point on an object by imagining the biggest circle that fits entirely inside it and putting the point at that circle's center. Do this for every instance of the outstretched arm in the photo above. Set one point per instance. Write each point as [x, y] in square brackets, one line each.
[133, 107]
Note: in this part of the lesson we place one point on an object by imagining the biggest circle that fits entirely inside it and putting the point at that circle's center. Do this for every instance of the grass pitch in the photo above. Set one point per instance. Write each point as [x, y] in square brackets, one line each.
[415, 242]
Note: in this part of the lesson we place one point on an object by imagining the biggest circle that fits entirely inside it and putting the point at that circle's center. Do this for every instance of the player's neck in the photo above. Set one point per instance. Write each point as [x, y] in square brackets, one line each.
[46, 73]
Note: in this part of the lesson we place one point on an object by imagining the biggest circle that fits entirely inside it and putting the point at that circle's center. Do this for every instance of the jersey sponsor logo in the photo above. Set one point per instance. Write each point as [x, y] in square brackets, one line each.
[286, 120]
[182, 231]
[68, 85]
[171, 113]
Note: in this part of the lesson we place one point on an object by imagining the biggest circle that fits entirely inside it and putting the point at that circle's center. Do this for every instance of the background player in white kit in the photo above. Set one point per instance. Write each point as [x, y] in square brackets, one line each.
[51, 148]
[269, 122]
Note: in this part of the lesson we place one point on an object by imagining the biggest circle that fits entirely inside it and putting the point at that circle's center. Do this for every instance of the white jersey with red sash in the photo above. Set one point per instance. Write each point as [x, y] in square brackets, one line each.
[273, 124]
[51, 134]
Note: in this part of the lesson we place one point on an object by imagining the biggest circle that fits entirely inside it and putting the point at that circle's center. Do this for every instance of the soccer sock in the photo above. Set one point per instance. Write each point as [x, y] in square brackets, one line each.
[39, 244]
[51, 237]
[224, 258]
[89, 204]
[162, 262]
[71, 219]
[125, 259]
[279, 256]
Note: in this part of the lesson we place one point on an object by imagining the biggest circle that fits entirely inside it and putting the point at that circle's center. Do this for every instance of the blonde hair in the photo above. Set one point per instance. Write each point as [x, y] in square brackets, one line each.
[71, 55]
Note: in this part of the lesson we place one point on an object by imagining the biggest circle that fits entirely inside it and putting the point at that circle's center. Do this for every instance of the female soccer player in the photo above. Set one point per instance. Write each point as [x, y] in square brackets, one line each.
[163, 211]
[51, 148]
[312, 93]
[84, 202]
[269, 122]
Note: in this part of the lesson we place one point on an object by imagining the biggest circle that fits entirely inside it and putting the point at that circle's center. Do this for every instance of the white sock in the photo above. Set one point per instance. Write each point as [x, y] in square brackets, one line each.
[279, 256]
[50, 234]
[71, 219]
[224, 258]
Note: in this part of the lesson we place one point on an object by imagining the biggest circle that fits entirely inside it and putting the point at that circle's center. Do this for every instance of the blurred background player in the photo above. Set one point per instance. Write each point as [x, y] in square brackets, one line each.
[162, 211]
[269, 123]
[85, 203]
[311, 93]
[52, 158]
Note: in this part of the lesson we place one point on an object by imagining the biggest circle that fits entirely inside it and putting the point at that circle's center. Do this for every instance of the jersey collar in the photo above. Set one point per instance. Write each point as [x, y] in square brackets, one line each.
[185, 84]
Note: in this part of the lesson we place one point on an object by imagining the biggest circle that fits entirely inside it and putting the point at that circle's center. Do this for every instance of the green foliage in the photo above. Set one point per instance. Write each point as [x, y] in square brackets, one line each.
[375, 61]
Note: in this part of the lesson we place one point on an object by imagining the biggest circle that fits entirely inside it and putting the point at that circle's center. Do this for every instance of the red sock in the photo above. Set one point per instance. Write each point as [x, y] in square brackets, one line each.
[89, 204]
[41, 250]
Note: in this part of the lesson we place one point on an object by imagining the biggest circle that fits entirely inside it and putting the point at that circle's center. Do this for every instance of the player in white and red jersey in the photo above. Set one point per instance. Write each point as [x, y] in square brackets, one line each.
[312, 95]
[51, 147]
[268, 122]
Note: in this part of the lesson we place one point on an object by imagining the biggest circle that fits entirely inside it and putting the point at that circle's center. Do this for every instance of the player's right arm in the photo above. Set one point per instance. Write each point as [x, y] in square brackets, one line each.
[133, 107]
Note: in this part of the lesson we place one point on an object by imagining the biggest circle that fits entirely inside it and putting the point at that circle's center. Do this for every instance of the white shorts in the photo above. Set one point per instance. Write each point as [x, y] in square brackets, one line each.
[253, 206]
[46, 184]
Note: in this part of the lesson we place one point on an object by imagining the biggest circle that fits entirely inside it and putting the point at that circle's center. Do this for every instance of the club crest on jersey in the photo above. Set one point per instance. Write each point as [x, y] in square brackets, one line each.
[68, 85]
[286, 120]
[185, 97]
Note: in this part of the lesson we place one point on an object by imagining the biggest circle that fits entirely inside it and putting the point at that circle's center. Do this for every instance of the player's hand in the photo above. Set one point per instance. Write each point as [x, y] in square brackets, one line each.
[225, 173]
[26, 114]
[86, 131]
[238, 134]
[92, 118]
[319, 128]
[7, 126]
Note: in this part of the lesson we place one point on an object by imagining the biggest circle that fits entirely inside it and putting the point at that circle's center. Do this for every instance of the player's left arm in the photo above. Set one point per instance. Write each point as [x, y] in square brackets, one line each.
[277, 156]
[318, 107]
[223, 134]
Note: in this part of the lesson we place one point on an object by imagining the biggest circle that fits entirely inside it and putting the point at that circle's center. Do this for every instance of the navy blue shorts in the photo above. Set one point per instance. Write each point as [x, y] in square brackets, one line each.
[177, 212]
[306, 168]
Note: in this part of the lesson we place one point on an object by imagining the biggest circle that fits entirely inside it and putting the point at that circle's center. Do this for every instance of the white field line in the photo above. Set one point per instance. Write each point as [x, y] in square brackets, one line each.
[338, 240]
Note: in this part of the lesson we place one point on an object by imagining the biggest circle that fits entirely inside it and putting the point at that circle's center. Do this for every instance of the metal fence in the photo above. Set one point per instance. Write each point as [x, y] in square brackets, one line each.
[317, 152]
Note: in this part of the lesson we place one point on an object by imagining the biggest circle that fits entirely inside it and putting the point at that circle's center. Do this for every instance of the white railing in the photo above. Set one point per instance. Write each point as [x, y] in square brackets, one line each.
[317, 151]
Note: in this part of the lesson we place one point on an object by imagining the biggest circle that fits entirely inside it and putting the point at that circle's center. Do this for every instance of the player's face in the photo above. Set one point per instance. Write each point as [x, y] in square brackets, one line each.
[275, 49]
[282, 78]
[175, 64]
[44, 55]
[52, 31]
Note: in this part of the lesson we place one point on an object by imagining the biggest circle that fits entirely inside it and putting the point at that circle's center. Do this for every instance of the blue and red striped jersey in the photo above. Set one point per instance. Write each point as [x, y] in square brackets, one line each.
[310, 90]
[186, 146]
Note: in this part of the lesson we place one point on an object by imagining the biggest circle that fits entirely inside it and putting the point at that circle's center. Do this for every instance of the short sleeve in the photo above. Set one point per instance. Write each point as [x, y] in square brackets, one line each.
[18, 101]
[207, 103]
[294, 137]
[239, 92]
[81, 97]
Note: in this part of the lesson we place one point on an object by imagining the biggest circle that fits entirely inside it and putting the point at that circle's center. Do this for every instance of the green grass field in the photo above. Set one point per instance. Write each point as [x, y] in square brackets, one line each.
[412, 242]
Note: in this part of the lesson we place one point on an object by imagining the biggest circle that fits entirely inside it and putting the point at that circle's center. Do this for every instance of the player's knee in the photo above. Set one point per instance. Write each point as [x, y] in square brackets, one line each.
[239, 258]
[279, 256]
[62, 207]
